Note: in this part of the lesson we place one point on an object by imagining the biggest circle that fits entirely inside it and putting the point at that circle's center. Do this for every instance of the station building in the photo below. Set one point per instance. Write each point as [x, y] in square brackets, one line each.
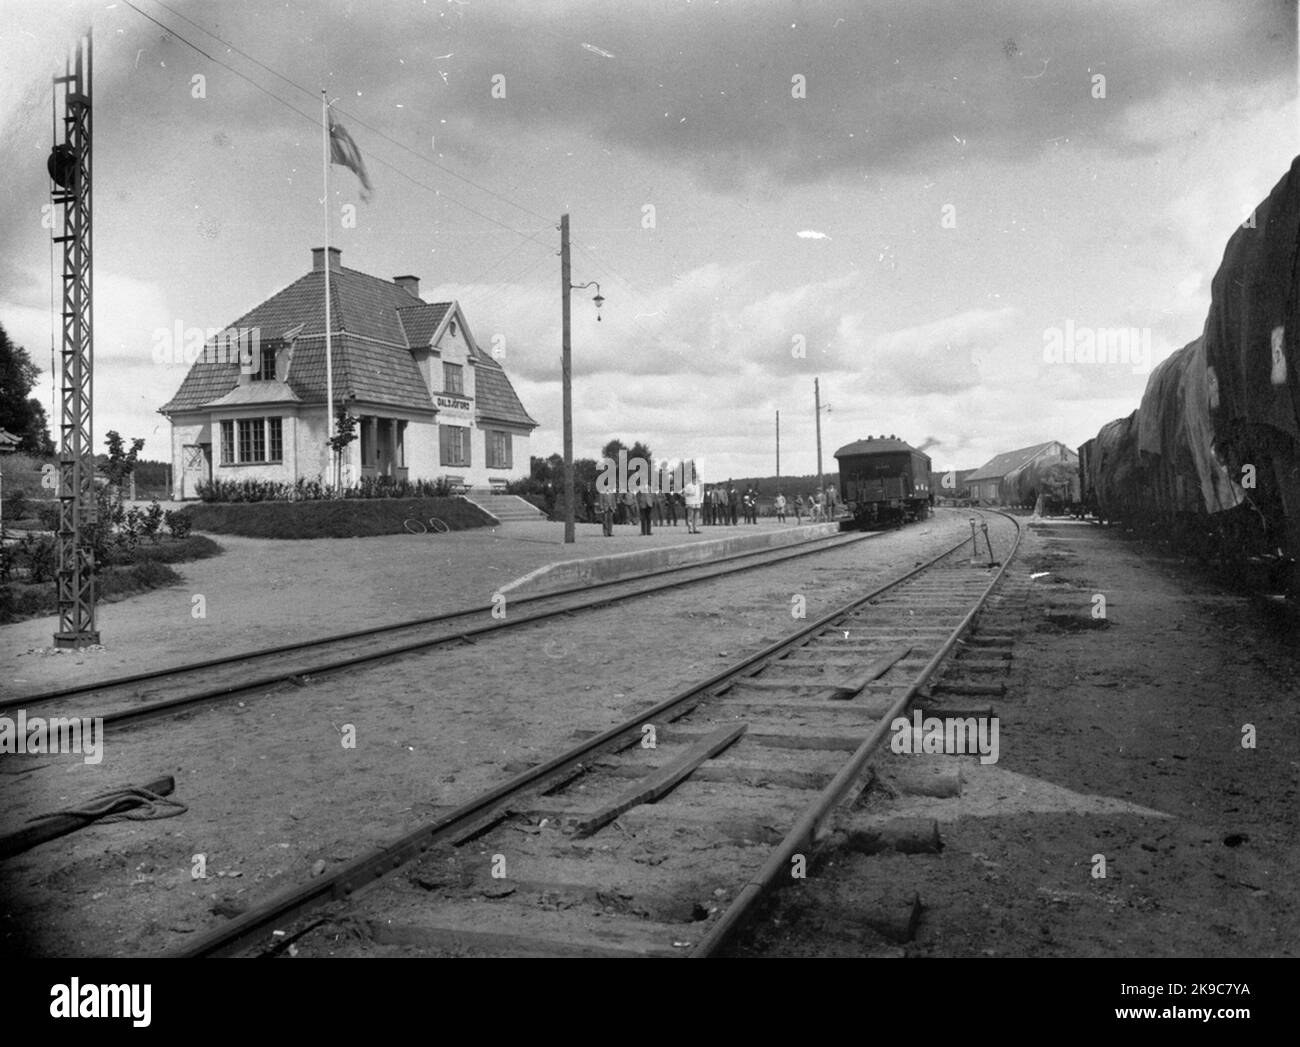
[429, 402]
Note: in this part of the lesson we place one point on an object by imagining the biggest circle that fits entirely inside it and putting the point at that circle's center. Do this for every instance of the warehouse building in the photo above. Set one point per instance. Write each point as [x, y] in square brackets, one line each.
[429, 402]
[1017, 477]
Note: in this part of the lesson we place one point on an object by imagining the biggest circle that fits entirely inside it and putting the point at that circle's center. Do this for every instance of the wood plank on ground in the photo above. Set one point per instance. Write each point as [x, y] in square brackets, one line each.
[662, 781]
[876, 668]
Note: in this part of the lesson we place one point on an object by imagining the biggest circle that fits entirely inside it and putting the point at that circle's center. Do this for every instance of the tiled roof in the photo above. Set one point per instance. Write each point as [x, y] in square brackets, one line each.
[1008, 462]
[494, 395]
[421, 321]
[376, 324]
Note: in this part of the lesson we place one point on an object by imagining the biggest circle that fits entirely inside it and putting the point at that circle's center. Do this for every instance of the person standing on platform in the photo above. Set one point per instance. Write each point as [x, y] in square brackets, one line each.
[657, 501]
[693, 502]
[780, 507]
[607, 512]
[645, 503]
[733, 503]
[627, 502]
[798, 509]
[671, 506]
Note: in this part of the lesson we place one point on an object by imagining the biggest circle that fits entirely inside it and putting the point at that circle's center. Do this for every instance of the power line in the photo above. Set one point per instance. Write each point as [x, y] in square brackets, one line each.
[353, 116]
[311, 119]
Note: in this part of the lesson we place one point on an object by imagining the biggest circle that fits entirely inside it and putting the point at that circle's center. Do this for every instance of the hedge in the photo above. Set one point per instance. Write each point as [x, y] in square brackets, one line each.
[340, 518]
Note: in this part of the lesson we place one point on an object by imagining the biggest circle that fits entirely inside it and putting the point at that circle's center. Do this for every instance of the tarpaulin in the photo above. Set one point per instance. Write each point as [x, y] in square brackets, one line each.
[1251, 330]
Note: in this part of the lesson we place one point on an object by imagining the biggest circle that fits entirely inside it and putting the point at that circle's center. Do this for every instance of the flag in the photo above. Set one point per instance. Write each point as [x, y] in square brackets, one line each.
[344, 151]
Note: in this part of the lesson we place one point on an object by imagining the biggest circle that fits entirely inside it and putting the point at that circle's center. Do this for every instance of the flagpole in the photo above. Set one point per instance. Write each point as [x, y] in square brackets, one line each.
[329, 363]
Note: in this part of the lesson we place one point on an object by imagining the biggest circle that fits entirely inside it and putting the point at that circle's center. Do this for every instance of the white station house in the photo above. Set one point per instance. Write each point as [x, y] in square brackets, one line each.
[429, 402]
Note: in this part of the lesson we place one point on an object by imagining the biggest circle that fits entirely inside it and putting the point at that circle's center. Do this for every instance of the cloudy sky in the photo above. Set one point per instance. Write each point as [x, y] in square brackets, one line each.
[914, 194]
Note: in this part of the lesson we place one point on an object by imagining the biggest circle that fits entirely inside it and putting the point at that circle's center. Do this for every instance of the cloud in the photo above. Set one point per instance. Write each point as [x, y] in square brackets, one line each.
[887, 84]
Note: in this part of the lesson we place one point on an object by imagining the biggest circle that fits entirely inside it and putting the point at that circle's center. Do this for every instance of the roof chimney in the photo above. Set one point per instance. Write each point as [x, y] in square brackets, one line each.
[318, 259]
[410, 284]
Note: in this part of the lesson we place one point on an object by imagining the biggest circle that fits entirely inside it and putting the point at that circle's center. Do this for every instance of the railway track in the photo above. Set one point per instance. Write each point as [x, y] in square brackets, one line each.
[656, 837]
[140, 696]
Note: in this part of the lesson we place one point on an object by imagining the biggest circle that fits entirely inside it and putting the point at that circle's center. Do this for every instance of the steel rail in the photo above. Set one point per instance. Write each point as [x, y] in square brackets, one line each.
[783, 553]
[806, 830]
[489, 807]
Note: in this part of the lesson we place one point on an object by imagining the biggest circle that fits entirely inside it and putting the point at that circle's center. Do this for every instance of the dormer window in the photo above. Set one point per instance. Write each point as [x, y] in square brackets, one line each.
[452, 381]
[265, 365]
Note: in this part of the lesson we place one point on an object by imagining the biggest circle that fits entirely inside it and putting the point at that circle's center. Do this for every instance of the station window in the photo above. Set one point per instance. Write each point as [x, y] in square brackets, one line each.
[453, 445]
[498, 450]
[252, 441]
[452, 382]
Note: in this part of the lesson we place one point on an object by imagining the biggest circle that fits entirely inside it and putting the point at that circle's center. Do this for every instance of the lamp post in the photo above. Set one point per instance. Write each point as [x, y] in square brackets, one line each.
[567, 373]
[819, 407]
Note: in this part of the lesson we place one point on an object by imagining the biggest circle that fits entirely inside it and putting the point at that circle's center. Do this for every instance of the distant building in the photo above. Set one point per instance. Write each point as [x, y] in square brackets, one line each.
[1009, 478]
[429, 402]
[950, 484]
[8, 441]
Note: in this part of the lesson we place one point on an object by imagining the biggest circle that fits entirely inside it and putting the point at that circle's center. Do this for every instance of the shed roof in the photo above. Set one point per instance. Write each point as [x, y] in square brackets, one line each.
[1009, 461]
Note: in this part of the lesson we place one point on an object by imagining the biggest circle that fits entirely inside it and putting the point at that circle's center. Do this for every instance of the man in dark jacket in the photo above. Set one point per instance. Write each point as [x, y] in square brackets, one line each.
[645, 503]
[733, 503]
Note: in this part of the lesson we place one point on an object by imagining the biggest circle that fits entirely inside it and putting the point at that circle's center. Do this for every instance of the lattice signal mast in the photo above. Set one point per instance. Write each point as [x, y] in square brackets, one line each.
[69, 168]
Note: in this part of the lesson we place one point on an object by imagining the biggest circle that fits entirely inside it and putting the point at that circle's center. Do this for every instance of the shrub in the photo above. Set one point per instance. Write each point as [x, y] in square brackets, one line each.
[335, 518]
[16, 506]
[301, 490]
[48, 514]
[39, 555]
[151, 521]
[178, 522]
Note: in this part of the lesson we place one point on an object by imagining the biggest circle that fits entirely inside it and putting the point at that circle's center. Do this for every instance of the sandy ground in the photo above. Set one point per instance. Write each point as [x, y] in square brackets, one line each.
[307, 589]
[1120, 739]
[270, 790]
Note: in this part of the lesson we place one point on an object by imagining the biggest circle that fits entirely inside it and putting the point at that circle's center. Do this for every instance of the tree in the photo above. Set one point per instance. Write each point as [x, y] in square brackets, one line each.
[121, 461]
[611, 449]
[345, 433]
[20, 412]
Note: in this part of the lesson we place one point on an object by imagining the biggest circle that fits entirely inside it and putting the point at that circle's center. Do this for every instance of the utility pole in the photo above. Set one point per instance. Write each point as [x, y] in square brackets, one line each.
[566, 367]
[817, 402]
[566, 363]
[69, 169]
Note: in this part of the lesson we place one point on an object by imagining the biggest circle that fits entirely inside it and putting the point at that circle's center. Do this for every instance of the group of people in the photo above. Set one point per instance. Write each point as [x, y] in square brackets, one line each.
[713, 505]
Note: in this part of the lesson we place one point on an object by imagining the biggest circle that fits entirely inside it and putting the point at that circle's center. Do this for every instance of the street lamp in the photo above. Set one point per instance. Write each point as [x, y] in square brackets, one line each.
[598, 298]
[819, 408]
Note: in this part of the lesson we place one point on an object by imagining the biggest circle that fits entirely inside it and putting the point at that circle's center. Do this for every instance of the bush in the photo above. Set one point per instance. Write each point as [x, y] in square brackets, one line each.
[48, 514]
[151, 521]
[16, 506]
[301, 490]
[193, 547]
[178, 522]
[39, 556]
